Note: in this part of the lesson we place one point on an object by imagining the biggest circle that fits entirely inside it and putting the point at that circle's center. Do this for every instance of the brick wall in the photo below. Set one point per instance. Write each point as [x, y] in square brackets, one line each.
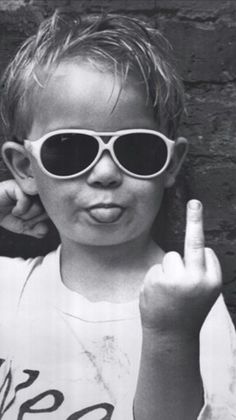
[203, 35]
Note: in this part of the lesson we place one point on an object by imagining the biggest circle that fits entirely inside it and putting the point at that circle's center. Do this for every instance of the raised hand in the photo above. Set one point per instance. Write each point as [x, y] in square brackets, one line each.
[177, 295]
[20, 213]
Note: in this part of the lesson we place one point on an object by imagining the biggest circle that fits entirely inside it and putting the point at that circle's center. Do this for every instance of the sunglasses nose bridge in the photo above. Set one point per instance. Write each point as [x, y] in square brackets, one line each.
[106, 145]
[107, 149]
[105, 139]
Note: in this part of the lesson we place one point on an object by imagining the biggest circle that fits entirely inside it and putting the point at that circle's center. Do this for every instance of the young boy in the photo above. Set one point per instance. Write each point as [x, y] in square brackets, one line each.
[107, 326]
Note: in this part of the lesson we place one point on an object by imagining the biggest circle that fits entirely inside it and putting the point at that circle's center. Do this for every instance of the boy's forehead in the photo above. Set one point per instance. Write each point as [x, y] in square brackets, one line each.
[86, 78]
[82, 94]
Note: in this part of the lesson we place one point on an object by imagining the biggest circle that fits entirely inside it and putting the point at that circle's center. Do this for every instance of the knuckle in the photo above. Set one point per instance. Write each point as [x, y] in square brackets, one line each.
[210, 252]
[215, 281]
[154, 270]
[212, 255]
[171, 254]
[152, 276]
[195, 242]
[171, 257]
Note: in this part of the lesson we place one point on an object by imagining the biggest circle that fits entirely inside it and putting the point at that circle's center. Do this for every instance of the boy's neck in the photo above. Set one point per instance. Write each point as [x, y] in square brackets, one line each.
[113, 273]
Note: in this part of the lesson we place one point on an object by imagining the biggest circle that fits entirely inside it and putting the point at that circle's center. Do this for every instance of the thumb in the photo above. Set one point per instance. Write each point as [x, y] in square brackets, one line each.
[153, 274]
[23, 202]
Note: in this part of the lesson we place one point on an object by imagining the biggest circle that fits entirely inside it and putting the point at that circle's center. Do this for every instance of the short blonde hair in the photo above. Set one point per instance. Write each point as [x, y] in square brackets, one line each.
[125, 45]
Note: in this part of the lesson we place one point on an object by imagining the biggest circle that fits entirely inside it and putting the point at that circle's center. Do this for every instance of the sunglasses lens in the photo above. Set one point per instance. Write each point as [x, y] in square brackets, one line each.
[141, 153]
[67, 154]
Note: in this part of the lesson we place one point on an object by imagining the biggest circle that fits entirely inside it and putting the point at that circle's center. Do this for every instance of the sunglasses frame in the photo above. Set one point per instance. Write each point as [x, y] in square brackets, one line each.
[34, 148]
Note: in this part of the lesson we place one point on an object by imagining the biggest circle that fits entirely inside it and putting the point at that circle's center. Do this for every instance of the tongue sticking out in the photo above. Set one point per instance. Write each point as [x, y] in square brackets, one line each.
[106, 214]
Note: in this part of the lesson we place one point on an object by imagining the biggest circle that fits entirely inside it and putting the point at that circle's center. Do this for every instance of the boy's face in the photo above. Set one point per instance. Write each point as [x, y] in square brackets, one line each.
[81, 96]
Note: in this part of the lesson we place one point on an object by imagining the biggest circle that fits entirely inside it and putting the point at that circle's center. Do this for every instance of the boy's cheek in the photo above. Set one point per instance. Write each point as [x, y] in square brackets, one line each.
[48, 191]
[67, 196]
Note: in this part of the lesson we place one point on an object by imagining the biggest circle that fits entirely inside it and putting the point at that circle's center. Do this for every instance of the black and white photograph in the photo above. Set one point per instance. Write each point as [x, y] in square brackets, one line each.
[117, 210]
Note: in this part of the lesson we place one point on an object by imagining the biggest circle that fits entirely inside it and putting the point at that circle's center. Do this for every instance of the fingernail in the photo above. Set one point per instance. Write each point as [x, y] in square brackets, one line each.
[194, 205]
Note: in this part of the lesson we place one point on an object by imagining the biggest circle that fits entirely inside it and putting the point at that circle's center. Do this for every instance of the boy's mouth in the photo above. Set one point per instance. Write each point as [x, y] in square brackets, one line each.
[106, 213]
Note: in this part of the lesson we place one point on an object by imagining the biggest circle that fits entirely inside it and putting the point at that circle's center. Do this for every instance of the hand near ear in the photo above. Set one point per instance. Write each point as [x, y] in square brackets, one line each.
[21, 213]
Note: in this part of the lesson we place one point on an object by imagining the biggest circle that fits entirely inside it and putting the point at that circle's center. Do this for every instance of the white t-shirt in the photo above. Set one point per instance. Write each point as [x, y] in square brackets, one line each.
[65, 358]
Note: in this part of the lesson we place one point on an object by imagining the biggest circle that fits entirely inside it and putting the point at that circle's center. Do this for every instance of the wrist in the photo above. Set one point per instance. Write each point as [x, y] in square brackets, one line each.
[159, 341]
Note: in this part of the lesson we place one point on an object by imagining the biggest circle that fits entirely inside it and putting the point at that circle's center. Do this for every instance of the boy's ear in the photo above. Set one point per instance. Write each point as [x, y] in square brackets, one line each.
[17, 160]
[180, 151]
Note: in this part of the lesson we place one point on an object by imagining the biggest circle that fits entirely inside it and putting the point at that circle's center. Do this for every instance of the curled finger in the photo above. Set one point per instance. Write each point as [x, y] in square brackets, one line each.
[213, 268]
[38, 230]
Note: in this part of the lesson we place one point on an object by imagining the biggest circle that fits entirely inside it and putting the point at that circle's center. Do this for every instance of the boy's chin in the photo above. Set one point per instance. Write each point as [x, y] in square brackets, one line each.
[102, 240]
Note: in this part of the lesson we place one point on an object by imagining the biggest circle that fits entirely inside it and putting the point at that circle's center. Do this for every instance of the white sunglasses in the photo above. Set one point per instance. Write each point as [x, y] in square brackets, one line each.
[68, 153]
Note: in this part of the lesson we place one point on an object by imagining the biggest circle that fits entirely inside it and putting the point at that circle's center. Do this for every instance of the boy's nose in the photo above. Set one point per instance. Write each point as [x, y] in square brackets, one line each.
[105, 173]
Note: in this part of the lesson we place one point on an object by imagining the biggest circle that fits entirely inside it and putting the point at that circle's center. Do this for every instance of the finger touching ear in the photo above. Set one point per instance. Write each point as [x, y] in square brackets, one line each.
[180, 152]
[17, 160]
